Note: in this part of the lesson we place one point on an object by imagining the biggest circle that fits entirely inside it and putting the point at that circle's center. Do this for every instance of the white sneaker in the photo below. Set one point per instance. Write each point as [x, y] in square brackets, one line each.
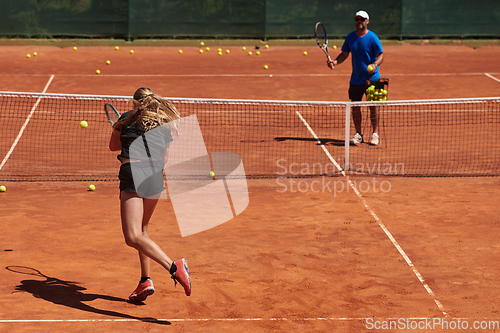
[375, 139]
[357, 138]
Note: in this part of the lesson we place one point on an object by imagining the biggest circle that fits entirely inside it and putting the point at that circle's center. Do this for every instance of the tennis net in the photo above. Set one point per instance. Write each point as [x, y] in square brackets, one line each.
[40, 137]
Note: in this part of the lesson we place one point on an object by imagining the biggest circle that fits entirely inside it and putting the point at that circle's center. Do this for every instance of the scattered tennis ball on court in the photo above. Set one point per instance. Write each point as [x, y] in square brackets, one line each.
[219, 50]
[249, 52]
[83, 124]
[75, 48]
[35, 54]
[28, 55]
[208, 49]
[3, 188]
[266, 67]
[227, 51]
[219, 53]
[180, 51]
[257, 52]
[91, 187]
[202, 43]
[108, 62]
[212, 174]
[305, 52]
[244, 48]
[267, 46]
[370, 68]
[201, 51]
[334, 47]
[117, 47]
[98, 71]
[131, 51]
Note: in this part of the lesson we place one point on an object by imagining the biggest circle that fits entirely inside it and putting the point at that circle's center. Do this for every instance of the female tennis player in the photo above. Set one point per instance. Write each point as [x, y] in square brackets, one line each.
[138, 204]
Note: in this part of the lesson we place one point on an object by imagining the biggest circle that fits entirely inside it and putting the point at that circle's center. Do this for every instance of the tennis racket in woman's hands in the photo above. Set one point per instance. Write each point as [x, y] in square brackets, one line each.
[322, 41]
[111, 112]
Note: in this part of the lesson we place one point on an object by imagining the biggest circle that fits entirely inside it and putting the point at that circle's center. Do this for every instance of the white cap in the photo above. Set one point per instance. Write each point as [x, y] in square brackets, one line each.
[363, 14]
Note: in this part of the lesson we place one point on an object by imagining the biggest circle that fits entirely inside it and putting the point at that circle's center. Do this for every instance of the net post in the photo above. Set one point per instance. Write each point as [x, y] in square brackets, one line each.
[347, 130]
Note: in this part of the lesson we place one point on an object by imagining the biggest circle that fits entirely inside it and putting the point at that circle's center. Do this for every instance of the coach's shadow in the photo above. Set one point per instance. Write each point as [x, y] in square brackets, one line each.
[70, 294]
[323, 142]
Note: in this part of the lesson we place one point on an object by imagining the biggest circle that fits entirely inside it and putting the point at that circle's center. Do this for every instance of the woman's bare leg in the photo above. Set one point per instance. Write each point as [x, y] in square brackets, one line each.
[136, 213]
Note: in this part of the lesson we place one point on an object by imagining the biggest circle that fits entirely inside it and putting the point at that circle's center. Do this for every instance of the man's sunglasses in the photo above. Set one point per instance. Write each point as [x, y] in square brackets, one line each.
[362, 19]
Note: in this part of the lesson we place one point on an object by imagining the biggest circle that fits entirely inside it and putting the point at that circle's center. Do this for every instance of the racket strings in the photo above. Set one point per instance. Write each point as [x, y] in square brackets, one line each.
[320, 32]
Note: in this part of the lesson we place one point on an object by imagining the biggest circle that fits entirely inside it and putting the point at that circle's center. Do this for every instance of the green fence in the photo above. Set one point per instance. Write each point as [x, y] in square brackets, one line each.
[262, 19]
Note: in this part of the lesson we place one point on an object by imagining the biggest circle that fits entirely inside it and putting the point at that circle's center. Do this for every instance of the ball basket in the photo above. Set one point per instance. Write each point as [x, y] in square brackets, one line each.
[377, 90]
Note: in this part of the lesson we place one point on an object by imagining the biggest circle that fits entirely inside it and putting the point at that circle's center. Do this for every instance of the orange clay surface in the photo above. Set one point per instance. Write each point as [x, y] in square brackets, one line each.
[297, 261]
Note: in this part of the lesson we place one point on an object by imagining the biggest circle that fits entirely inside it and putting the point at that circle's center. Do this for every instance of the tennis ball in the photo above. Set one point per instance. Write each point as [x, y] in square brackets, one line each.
[3, 188]
[180, 51]
[35, 54]
[244, 48]
[108, 62]
[74, 48]
[117, 48]
[250, 53]
[91, 188]
[131, 51]
[219, 50]
[227, 51]
[83, 124]
[267, 46]
[201, 51]
[370, 68]
[28, 55]
[220, 53]
[305, 52]
[212, 174]
[257, 52]
[98, 72]
[202, 43]
[266, 67]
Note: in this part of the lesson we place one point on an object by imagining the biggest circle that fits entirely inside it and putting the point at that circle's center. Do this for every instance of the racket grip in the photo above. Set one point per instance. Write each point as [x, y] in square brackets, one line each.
[330, 62]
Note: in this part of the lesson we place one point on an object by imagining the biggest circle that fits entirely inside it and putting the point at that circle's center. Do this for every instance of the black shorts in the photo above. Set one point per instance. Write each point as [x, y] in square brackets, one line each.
[149, 180]
[356, 92]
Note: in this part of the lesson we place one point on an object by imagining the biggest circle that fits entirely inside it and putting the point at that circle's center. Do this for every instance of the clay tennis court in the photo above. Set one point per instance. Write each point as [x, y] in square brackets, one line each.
[302, 261]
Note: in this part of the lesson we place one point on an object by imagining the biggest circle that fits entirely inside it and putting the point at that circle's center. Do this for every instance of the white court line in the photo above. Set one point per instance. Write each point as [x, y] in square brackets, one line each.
[25, 124]
[250, 75]
[384, 228]
[319, 141]
[205, 320]
[492, 77]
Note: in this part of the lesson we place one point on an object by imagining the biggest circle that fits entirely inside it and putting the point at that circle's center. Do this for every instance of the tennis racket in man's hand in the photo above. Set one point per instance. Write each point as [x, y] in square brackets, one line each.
[322, 41]
[111, 112]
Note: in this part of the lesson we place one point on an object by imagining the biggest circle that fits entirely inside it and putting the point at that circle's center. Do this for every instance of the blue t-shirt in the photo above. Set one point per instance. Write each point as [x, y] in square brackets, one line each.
[363, 51]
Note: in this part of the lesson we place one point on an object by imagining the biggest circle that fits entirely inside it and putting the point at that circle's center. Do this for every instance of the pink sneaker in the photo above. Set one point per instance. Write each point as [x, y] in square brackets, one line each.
[180, 273]
[142, 291]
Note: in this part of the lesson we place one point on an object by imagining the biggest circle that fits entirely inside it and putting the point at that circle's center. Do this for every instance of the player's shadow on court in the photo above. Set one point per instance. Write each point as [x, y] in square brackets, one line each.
[323, 142]
[70, 294]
